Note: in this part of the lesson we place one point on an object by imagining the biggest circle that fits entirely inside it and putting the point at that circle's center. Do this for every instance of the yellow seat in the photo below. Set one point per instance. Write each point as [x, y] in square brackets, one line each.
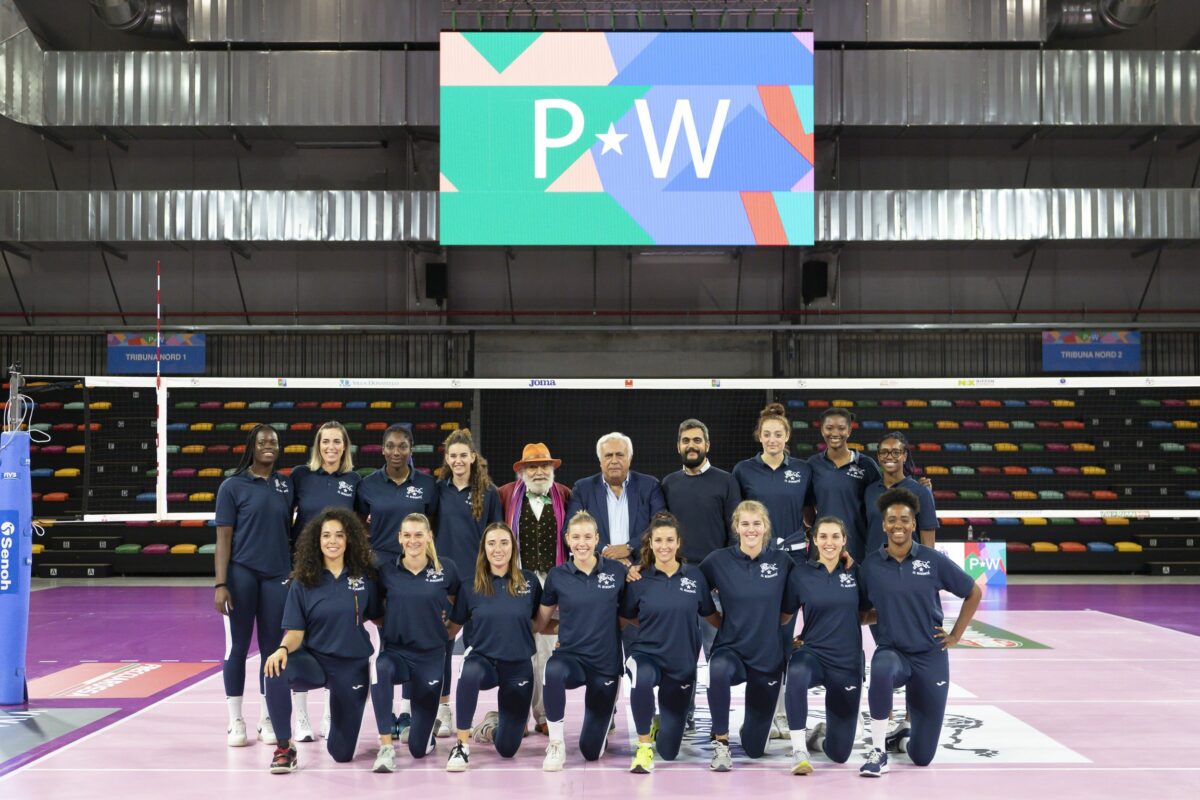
[1193, 402]
[1128, 547]
[843, 404]
[936, 471]
[855, 446]
[200, 497]
[897, 424]
[1006, 447]
[1034, 520]
[295, 448]
[184, 549]
[449, 426]
[1083, 447]
[100, 405]
[77, 449]
[201, 426]
[1094, 471]
[916, 403]
[1186, 424]
[452, 404]
[947, 425]
[1044, 547]
[1063, 403]
[235, 404]
[38, 548]
[997, 424]
[1116, 520]
[192, 449]
[210, 472]
[248, 426]
[381, 404]
[1021, 494]
[66, 472]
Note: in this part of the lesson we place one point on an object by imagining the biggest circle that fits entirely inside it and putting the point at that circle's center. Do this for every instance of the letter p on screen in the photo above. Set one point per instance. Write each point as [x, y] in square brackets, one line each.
[541, 142]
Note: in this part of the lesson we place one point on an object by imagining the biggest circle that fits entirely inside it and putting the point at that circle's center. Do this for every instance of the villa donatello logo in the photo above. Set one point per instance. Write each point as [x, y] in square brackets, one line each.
[581, 138]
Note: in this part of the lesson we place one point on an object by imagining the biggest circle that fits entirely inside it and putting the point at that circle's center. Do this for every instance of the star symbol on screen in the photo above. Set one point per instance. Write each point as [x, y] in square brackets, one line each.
[611, 139]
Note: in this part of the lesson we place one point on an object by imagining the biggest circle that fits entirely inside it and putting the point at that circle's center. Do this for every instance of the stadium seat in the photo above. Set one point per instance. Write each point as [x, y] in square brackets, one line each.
[172, 449]
[997, 494]
[38, 548]
[432, 404]
[1024, 494]
[177, 497]
[868, 403]
[1014, 403]
[954, 447]
[1078, 494]
[1033, 521]
[209, 472]
[227, 426]
[356, 404]
[1094, 470]
[1172, 447]
[1018, 547]
[1192, 494]
[1006, 447]
[331, 404]
[1015, 470]
[295, 449]
[1104, 494]
[1063, 403]
[63, 426]
[1048, 423]
[41, 472]
[375, 426]
[1050, 494]
[220, 448]
[259, 404]
[988, 469]
[1038, 403]
[940, 403]
[1073, 425]
[947, 425]
[981, 447]
[381, 404]
[869, 424]
[931, 470]
[1072, 547]
[36, 497]
[301, 426]
[371, 449]
[279, 427]
[1118, 521]
[422, 448]
[283, 404]
[146, 497]
[1045, 547]
[1128, 547]
[1174, 403]
[76, 406]
[156, 550]
[972, 425]
[1101, 547]
[176, 426]
[248, 426]
[962, 470]
[1184, 469]
[920, 424]
[970, 494]
[53, 450]
[207, 549]
[186, 405]
[234, 405]
[76, 450]
[183, 472]
[425, 426]
[201, 497]
[184, 549]
[836, 404]
[1090, 521]
[301, 404]
[55, 497]
[128, 548]
[916, 403]
[1067, 470]
[165, 523]
[1160, 424]
[965, 403]
[1058, 447]
[1193, 403]
[1022, 425]
[997, 425]
[201, 426]
[796, 404]
[191, 523]
[1032, 447]
[1186, 424]
[1193, 447]
[1008, 521]
[449, 426]
[944, 494]
[990, 404]
[1083, 447]
[951, 522]
[192, 449]
[891, 404]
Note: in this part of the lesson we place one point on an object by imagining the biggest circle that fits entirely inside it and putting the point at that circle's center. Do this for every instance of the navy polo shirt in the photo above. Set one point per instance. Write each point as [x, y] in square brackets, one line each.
[831, 602]
[839, 492]
[499, 626]
[588, 604]
[316, 491]
[414, 604]
[387, 503]
[785, 491]
[704, 506]
[926, 517]
[905, 595]
[260, 512]
[753, 592]
[332, 613]
[458, 532]
[666, 607]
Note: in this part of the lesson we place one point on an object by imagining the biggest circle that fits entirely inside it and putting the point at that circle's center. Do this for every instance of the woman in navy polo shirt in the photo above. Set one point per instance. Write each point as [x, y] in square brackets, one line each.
[333, 593]
[829, 650]
[467, 502]
[840, 477]
[499, 607]
[388, 495]
[750, 579]
[897, 471]
[328, 480]
[664, 602]
[417, 589]
[254, 514]
[586, 591]
[902, 582]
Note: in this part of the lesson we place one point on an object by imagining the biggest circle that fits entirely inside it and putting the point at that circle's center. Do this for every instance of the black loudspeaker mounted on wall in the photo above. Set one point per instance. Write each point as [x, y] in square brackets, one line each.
[437, 281]
[814, 280]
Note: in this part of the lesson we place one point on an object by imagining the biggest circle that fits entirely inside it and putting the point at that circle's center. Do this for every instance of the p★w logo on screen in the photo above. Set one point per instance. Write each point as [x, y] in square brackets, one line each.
[627, 138]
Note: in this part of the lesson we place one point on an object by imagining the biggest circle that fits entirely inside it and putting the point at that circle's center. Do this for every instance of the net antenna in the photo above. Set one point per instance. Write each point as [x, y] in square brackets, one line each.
[14, 411]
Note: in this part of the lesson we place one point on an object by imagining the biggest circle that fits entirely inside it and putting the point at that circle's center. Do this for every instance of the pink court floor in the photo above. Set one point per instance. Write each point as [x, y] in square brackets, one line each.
[1065, 691]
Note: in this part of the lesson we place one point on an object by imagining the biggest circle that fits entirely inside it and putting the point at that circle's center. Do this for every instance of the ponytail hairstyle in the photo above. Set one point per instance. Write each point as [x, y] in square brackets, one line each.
[663, 519]
[483, 570]
[773, 411]
[480, 481]
[910, 466]
[430, 547]
[247, 459]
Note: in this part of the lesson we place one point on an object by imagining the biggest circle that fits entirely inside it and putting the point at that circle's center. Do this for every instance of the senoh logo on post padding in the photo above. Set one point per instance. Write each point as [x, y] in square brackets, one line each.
[8, 551]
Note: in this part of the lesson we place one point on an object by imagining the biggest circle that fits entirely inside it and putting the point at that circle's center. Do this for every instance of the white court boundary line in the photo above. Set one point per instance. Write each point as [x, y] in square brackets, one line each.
[592, 767]
[1191, 636]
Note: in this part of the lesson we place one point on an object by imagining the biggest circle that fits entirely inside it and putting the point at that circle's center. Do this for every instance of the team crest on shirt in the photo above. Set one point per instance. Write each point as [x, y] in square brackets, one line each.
[357, 584]
[433, 575]
[345, 489]
[525, 590]
[793, 476]
[848, 581]
[687, 585]
[606, 580]
[281, 486]
[920, 567]
[415, 493]
[856, 472]
[768, 570]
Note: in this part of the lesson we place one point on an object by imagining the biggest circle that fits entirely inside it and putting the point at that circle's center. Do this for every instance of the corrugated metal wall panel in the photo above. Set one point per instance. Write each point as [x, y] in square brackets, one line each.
[827, 87]
[875, 87]
[1008, 21]
[313, 87]
[422, 99]
[946, 87]
[1014, 87]
[1014, 215]
[22, 76]
[302, 21]
[930, 216]
[375, 21]
[248, 84]
[10, 216]
[393, 87]
[919, 20]
[844, 21]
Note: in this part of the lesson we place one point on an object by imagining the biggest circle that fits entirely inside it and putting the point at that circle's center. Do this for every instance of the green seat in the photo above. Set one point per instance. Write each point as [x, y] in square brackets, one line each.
[980, 447]
[128, 548]
[1050, 494]
[353, 426]
[186, 404]
[1172, 447]
[802, 447]
[404, 404]
[1023, 424]
[872, 446]
[227, 426]
[867, 403]
[1182, 469]
[40, 426]
[278, 426]
[921, 424]
[1149, 402]
[970, 494]
[207, 549]
[172, 449]
[74, 407]
[962, 470]
[940, 403]
[229, 473]
[797, 424]
[422, 448]
[152, 473]
[259, 404]
[1033, 447]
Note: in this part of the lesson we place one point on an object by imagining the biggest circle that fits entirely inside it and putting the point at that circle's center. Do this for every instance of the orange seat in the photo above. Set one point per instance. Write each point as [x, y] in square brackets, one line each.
[192, 523]
[375, 426]
[55, 497]
[1072, 547]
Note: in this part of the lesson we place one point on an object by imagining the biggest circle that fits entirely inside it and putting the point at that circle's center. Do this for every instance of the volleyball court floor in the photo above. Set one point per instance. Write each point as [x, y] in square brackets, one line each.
[1069, 690]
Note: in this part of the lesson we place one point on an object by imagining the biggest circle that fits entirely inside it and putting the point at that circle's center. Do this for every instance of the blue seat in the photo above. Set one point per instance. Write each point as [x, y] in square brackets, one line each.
[1007, 521]
[1161, 424]
[41, 473]
[796, 404]
[1014, 403]
[954, 447]
[872, 423]
[356, 404]
[283, 404]
[1041, 470]
[177, 426]
[146, 497]
[1193, 494]
[1101, 547]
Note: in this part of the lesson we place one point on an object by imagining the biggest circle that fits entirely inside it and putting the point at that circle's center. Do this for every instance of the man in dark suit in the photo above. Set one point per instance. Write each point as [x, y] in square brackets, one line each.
[622, 501]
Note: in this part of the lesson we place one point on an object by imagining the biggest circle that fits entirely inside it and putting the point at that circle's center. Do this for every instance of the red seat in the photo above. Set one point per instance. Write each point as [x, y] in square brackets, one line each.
[1048, 423]
[1016, 471]
[990, 404]
[1018, 547]
[965, 403]
[1104, 494]
[1078, 494]
[929, 447]
[306, 404]
[986, 470]
[942, 494]
[1072, 547]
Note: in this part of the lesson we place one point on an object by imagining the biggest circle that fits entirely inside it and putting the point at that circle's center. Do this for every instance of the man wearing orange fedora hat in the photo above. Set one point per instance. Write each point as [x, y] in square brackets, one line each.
[535, 507]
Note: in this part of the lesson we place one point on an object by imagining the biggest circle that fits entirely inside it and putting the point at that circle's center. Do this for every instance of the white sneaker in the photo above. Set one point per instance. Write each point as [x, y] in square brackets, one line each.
[326, 723]
[386, 760]
[556, 756]
[459, 759]
[721, 761]
[779, 727]
[235, 736]
[443, 726]
[484, 731]
[304, 731]
[816, 738]
[266, 731]
[800, 763]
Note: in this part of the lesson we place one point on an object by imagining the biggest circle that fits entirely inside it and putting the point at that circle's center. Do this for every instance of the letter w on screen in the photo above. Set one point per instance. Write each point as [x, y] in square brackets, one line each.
[627, 138]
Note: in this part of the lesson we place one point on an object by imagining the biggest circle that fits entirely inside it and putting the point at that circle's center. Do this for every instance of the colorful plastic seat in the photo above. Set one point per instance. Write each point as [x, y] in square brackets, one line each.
[1033, 521]
[1018, 547]
[1083, 447]
[177, 497]
[1174, 403]
[53, 450]
[962, 470]
[965, 403]
[371, 449]
[944, 494]
[301, 426]
[1022, 424]
[1078, 494]
[979, 520]
[990, 404]
[41, 472]
[1039, 470]
[192, 523]
[301, 404]
[184, 549]
[282, 404]
[1006, 447]
[932, 470]
[1160, 424]
[55, 497]
[404, 404]
[209, 405]
[209, 472]
[146, 497]
[356, 404]
[156, 550]
[186, 405]
[1072, 547]
[947, 425]
[449, 426]
[1090, 521]
[1103, 494]
[954, 447]
[891, 404]
[63, 426]
[248, 426]
[295, 449]
[1014, 403]
[1186, 424]
[868, 403]
[432, 404]
[172, 449]
[952, 522]
[176, 426]
[920, 425]
[1184, 469]
[997, 425]
[1039, 403]
[1128, 547]
[128, 548]
[988, 469]
[1117, 521]
[207, 549]
[279, 427]
[422, 448]
[183, 472]
[192, 449]
[997, 494]
[234, 405]
[1048, 424]
[1008, 521]
[425, 426]
[1063, 403]
[331, 404]
[981, 447]
[869, 424]
[970, 494]
[1192, 494]
[221, 448]
[1050, 494]
[201, 426]
[1066, 470]
[1073, 425]
[1015, 470]
[1023, 494]
[836, 404]
[1045, 547]
[76, 406]
[76, 450]
[381, 404]
[1101, 547]
[1172, 447]
[973, 425]
[1058, 447]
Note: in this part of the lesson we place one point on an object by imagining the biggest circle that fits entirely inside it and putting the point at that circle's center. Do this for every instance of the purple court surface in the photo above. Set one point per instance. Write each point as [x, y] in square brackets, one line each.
[1067, 690]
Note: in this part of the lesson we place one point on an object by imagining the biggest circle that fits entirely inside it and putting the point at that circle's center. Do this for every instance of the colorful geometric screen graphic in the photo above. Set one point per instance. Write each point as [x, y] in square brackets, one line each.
[627, 139]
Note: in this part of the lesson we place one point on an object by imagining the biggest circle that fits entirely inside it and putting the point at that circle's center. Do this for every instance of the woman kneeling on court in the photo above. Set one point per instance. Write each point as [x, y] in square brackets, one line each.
[333, 592]
[587, 591]
[902, 582]
[664, 603]
[751, 581]
[417, 590]
[499, 608]
[829, 651]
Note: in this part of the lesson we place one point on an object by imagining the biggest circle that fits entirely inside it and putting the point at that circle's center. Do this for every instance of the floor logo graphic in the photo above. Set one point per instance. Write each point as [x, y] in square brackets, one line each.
[627, 138]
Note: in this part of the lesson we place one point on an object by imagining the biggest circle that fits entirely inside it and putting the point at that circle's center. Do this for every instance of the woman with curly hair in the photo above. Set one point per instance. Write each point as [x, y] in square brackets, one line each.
[467, 503]
[333, 592]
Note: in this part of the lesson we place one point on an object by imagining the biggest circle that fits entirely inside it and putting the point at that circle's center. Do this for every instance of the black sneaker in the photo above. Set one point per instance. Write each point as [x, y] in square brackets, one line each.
[283, 761]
